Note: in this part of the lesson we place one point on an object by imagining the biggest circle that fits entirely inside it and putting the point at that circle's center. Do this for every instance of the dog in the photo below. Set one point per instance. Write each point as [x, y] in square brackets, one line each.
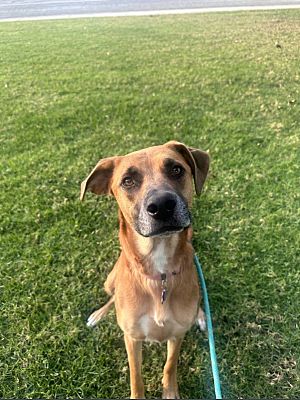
[153, 284]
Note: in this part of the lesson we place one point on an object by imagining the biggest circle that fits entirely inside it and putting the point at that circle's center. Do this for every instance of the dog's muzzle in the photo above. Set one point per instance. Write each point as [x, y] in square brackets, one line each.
[162, 212]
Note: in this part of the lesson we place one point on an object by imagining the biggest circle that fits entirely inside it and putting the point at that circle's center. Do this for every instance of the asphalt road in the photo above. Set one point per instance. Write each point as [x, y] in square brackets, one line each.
[15, 9]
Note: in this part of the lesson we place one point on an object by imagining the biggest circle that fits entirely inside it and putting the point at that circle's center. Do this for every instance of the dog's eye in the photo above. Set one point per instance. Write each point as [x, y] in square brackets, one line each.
[177, 170]
[127, 182]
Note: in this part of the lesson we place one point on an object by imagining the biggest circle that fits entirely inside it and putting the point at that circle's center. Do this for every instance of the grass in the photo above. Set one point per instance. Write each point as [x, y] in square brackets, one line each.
[73, 92]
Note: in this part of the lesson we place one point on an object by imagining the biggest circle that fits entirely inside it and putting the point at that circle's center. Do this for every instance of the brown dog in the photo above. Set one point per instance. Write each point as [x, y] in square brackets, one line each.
[154, 283]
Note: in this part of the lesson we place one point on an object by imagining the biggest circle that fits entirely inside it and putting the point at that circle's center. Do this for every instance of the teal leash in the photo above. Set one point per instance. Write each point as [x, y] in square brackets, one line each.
[211, 340]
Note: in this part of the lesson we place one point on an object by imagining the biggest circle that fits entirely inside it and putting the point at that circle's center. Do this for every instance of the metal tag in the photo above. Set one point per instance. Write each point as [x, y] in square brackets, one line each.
[164, 290]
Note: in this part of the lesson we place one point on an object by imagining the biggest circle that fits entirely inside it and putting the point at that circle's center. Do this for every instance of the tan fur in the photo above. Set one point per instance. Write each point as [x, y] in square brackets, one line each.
[139, 311]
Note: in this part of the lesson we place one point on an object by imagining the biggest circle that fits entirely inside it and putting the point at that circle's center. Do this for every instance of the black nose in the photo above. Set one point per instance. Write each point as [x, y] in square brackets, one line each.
[161, 206]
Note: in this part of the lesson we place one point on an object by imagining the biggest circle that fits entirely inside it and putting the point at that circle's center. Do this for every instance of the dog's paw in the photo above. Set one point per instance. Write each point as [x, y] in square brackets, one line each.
[99, 314]
[170, 386]
[202, 324]
[201, 320]
[170, 393]
[95, 317]
[91, 322]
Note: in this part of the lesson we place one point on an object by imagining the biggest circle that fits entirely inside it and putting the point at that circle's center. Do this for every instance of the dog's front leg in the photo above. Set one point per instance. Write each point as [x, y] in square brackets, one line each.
[134, 353]
[170, 386]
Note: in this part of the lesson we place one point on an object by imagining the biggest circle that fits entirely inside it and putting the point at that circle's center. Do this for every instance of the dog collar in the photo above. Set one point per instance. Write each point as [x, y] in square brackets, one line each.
[160, 277]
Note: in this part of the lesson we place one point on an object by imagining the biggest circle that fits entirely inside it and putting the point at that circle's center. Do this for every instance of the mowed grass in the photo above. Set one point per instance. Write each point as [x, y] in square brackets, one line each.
[73, 92]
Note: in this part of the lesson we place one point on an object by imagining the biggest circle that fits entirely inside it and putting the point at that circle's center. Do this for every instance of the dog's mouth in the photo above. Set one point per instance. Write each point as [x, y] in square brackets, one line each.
[165, 231]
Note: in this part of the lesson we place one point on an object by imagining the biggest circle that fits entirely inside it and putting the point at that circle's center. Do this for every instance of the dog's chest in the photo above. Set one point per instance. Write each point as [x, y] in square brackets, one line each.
[149, 319]
[159, 322]
[151, 329]
[146, 318]
[165, 321]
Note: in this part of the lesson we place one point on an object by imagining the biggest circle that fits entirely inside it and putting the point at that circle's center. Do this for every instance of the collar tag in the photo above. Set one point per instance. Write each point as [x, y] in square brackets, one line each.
[164, 290]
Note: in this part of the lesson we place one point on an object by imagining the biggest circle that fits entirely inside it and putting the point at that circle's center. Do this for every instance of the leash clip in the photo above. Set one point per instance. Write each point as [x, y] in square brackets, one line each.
[164, 290]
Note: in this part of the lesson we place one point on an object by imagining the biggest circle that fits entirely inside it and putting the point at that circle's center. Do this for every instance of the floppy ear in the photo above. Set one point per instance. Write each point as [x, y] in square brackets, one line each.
[198, 160]
[99, 180]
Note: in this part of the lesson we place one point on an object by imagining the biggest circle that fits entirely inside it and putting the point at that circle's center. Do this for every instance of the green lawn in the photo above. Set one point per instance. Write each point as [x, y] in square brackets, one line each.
[72, 92]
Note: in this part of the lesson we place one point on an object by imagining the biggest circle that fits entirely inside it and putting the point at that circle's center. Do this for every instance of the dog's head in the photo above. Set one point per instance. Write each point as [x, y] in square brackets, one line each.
[153, 186]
